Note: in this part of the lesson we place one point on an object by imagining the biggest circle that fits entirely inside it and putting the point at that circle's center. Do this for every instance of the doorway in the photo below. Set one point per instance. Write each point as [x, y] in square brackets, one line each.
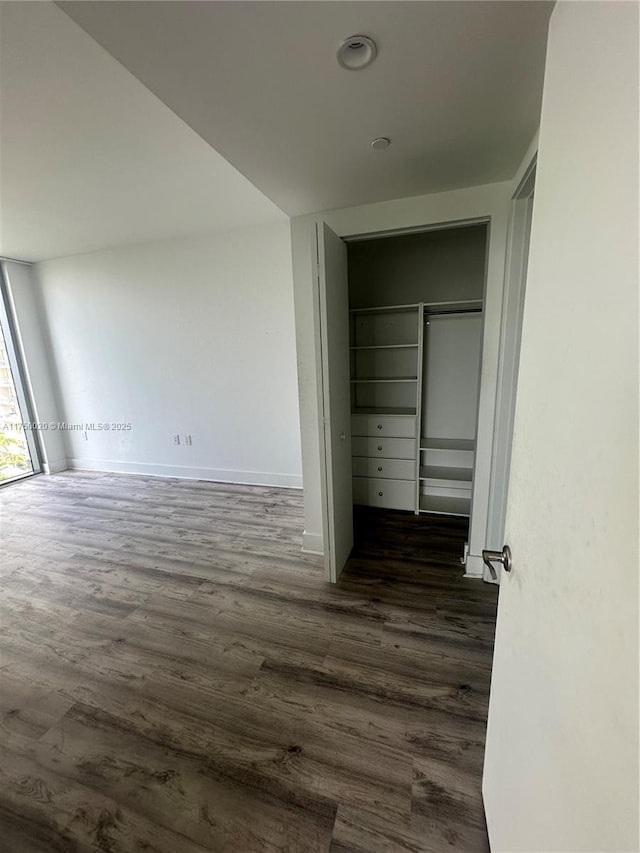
[401, 359]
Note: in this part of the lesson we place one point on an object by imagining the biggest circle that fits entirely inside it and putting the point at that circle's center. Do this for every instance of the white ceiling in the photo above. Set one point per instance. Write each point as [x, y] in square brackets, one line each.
[457, 86]
[98, 153]
[90, 158]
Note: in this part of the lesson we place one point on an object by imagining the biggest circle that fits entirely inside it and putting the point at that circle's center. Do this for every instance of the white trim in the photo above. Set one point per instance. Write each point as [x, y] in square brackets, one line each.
[325, 546]
[475, 567]
[220, 475]
[56, 466]
[509, 353]
[524, 169]
[312, 543]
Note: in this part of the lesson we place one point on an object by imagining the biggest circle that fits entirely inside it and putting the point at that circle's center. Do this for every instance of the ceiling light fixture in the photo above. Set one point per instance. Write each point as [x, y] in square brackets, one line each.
[380, 143]
[357, 52]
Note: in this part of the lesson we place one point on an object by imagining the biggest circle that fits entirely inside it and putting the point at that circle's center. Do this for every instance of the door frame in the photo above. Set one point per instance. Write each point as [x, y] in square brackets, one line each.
[331, 570]
[509, 355]
[471, 204]
[320, 344]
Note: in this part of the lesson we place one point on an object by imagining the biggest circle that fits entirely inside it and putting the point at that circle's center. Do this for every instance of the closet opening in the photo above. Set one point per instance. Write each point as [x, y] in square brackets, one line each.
[415, 343]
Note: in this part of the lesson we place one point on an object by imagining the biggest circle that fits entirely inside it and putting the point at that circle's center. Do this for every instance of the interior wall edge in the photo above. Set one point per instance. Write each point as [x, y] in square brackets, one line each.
[525, 165]
[33, 341]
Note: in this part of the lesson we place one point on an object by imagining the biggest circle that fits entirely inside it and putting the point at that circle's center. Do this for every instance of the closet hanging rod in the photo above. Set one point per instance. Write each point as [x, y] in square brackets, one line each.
[429, 312]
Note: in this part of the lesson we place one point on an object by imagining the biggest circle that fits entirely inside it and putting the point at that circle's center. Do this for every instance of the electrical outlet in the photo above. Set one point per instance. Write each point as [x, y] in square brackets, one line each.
[176, 439]
[187, 440]
[85, 437]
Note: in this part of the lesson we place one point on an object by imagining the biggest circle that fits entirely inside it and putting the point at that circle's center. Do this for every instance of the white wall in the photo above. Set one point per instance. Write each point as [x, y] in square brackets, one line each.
[452, 344]
[487, 202]
[561, 770]
[33, 343]
[191, 336]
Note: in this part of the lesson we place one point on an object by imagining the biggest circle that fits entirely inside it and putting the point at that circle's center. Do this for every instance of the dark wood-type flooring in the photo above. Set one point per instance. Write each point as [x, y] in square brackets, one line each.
[176, 675]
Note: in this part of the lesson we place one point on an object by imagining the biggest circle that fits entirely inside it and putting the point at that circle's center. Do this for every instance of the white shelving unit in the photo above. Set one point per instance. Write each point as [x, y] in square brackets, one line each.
[445, 476]
[442, 505]
[445, 463]
[385, 374]
[390, 390]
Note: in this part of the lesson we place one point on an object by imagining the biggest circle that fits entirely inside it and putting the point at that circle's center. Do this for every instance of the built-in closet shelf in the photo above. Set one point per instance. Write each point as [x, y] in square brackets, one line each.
[445, 505]
[388, 309]
[378, 379]
[383, 410]
[414, 369]
[440, 475]
[447, 444]
[387, 346]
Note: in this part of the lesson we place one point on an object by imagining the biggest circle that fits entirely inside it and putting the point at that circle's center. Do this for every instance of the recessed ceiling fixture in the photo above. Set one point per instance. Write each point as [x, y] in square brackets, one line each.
[357, 52]
[380, 143]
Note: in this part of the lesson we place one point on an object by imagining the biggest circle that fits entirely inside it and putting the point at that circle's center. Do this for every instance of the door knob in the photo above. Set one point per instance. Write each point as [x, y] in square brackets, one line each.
[504, 557]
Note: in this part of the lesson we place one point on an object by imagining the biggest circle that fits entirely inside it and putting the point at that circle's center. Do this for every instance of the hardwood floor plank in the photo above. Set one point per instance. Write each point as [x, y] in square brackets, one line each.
[447, 807]
[197, 795]
[43, 810]
[359, 832]
[27, 710]
[176, 675]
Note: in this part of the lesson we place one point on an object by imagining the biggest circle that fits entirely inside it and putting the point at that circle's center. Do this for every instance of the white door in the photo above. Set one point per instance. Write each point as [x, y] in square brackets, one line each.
[337, 500]
[561, 764]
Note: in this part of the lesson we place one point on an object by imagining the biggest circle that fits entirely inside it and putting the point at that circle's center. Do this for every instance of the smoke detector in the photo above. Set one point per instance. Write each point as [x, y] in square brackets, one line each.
[357, 52]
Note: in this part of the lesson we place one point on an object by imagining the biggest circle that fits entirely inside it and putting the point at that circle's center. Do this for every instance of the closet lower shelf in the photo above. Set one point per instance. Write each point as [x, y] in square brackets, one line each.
[445, 475]
[447, 444]
[441, 505]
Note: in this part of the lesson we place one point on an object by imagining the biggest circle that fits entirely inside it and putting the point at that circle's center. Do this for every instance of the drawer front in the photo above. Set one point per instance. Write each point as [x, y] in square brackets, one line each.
[387, 448]
[394, 426]
[391, 494]
[391, 469]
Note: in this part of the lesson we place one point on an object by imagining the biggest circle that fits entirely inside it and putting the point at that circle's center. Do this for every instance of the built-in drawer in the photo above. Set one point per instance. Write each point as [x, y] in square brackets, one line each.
[392, 494]
[391, 469]
[394, 426]
[389, 448]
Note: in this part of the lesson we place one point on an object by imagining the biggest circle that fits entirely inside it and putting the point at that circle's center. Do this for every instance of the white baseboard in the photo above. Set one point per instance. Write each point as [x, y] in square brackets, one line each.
[219, 475]
[312, 543]
[56, 466]
[474, 567]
